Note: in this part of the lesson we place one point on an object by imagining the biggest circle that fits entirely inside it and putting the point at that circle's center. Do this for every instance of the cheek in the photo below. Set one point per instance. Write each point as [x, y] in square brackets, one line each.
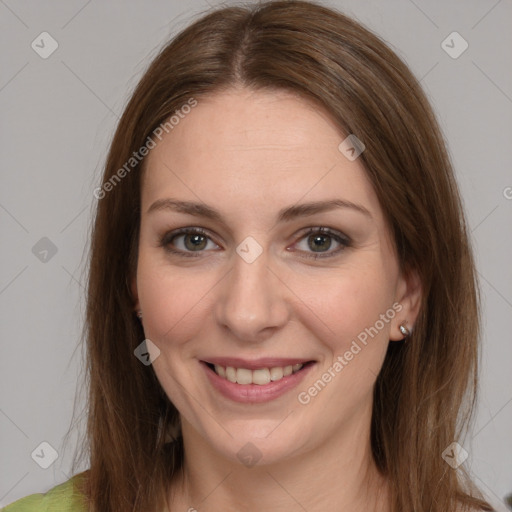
[343, 303]
[350, 314]
[174, 300]
[336, 305]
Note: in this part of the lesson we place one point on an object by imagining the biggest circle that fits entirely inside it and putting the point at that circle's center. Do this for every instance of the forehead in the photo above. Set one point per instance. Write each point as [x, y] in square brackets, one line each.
[254, 149]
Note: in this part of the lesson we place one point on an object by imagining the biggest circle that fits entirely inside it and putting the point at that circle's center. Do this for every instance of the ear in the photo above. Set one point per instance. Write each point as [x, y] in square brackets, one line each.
[408, 295]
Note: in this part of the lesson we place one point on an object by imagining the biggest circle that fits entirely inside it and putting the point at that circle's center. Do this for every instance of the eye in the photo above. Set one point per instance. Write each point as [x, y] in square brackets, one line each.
[317, 242]
[187, 241]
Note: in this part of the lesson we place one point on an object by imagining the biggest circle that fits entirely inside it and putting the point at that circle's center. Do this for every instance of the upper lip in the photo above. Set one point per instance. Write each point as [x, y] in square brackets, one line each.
[255, 364]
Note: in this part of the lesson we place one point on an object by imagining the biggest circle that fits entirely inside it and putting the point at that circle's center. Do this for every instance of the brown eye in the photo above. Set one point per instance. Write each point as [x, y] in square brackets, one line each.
[186, 241]
[194, 242]
[317, 242]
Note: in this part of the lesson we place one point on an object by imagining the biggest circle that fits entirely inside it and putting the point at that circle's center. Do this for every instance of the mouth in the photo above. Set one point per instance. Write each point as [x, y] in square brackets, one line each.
[263, 381]
[259, 376]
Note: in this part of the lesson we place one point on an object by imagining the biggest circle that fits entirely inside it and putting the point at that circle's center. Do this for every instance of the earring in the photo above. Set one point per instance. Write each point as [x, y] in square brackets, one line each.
[406, 332]
[139, 314]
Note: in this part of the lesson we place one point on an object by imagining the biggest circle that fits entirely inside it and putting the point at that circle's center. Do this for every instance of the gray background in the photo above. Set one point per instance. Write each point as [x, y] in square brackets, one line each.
[57, 118]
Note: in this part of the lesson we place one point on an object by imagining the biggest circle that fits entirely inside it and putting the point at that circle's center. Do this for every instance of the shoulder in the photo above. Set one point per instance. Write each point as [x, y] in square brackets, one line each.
[64, 497]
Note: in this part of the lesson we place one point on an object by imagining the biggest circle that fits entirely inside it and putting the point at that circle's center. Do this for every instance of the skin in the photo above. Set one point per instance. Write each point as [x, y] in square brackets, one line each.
[249, 154]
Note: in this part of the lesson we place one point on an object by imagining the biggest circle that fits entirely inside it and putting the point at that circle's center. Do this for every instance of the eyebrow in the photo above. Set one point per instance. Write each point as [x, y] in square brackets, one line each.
[285, 215]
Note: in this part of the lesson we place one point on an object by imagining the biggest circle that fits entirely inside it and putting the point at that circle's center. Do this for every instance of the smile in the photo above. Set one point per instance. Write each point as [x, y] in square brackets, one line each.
[265, 381]
[259, 377]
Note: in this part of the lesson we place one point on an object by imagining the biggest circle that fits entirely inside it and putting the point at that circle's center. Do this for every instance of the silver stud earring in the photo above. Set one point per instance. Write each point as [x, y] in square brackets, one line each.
[406, 332]
[139, 314]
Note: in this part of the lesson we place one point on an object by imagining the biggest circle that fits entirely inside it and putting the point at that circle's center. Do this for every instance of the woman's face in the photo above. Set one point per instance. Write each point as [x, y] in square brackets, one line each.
[259, 289]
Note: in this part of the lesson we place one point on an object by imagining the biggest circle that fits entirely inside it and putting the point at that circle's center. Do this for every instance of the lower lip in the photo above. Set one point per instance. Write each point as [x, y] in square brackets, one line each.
[254, 393]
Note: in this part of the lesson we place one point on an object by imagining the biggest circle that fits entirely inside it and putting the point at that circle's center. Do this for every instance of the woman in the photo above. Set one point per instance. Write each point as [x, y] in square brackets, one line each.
[279, 222]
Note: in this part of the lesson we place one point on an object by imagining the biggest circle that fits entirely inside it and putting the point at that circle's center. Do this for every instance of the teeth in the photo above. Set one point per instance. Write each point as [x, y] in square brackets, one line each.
[243, 376]
[220, 370]
[231, 374]
[260, 377]
[276, 373]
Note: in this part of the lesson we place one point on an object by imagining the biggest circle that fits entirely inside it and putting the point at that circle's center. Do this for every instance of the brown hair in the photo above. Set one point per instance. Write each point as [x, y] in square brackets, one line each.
[425, 393]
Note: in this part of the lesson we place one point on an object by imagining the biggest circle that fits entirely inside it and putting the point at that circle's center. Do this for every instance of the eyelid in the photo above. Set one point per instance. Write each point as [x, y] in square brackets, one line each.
[165, 240]
[338, 236]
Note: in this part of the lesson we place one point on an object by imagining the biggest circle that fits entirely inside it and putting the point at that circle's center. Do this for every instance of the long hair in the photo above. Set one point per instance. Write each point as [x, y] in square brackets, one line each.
[425, 393]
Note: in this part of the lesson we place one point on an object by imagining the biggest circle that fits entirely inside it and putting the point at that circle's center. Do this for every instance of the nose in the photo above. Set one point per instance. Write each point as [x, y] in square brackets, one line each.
[252, 302]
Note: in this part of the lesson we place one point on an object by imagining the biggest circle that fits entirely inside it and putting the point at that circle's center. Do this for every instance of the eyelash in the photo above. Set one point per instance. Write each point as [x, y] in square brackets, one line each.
[166, 240]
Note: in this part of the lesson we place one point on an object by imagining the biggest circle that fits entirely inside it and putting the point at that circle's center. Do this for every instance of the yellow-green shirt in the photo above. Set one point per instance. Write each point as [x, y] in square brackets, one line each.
[61, 498]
